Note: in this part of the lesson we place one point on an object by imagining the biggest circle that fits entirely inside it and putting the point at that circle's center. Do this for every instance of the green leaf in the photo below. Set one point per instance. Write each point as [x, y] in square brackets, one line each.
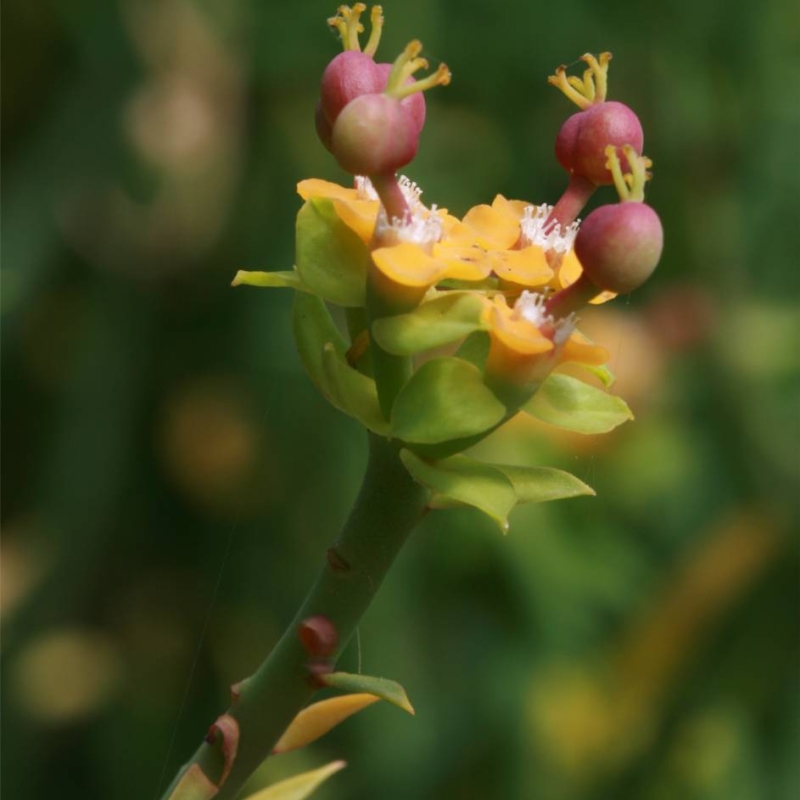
[445, 319]
[322, 350]
[459, 480]
[444, 399]
[571, 404]
[314, 328]
[331, 258]
[352, 392]
[300, 786]
[281, 280]
[605, 375]
[540, 484]
[391, 691]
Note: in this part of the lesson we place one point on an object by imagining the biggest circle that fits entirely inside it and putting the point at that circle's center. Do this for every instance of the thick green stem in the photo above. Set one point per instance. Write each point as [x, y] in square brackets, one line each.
[388, 506]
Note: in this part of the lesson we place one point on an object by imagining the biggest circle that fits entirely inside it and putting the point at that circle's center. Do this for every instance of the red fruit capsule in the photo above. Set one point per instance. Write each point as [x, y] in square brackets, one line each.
[374, 135]
[583, 138]
[620, 245]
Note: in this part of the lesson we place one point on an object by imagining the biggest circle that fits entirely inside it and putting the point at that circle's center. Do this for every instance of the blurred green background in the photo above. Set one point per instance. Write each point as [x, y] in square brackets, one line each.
[172, 479]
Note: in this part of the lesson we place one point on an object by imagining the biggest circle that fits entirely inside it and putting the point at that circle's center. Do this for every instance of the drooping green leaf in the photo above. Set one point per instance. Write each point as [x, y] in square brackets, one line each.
[459, 480]
[571, 404]
[281, 280]
[194, 784]
[322, 350]
[446, 319]
[316, 720]
[606, 376]
[314, 328]
[353, 392]
[388, 690]
[445, 399]
[540, 484]
[300, 786]
[331, 258]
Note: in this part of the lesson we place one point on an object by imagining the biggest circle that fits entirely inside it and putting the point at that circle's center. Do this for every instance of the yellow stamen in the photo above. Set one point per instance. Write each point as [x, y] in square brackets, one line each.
[375, 28]
[598, 67]
[405, 65]
[630, 186]
[347, 24]
[560, 81]
[591, 88]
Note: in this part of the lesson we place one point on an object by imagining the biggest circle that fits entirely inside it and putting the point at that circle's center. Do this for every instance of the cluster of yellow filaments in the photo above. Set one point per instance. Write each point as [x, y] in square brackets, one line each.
[347, 23]
[629, 185]
[406, 64]
[588, 90]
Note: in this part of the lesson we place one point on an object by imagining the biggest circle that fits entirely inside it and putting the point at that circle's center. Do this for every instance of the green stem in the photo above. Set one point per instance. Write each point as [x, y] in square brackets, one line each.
[387, 508]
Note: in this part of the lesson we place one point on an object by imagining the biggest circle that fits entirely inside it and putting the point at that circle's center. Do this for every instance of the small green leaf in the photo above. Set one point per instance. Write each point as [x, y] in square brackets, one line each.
[194, 785]
[571, 404]
[353, 392]
[322, 350]
[391, 691]
[331, 258]
[313, 329]
[605, 375]
[281, 280]
[446, 319]
[444, 399]
[539, 484]
[459, 480]
[300, 786]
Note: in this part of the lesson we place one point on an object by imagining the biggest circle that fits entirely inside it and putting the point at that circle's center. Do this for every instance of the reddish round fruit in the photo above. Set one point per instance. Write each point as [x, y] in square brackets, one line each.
[565, 141]
[619, 246]
[414, 103]
[581, 143]
[348, 76]
[374, 135]
[324, 128]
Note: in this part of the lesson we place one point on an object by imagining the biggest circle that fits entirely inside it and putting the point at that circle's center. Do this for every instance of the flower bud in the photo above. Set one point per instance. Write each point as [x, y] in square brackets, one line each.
[318, 636]
[374, 135]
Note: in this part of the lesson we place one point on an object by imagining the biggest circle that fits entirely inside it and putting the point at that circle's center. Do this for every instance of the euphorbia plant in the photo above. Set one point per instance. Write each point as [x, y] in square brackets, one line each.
[498, 290]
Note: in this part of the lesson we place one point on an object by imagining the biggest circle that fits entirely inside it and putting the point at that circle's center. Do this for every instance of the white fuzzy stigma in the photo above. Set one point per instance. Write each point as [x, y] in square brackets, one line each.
[530, 306]
[554, 237]
[410, 190]
[423, 229]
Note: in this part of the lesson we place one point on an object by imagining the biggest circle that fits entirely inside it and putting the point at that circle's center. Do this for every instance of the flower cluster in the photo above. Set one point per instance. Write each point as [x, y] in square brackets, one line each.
[454, 324]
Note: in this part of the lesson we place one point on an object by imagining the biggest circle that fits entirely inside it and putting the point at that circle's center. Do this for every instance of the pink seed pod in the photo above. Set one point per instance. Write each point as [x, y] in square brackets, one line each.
[324, 128]
[348, 76]
[589, 132]
[414, 104]
[374, 135]
[620, 245]
[583, 138]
